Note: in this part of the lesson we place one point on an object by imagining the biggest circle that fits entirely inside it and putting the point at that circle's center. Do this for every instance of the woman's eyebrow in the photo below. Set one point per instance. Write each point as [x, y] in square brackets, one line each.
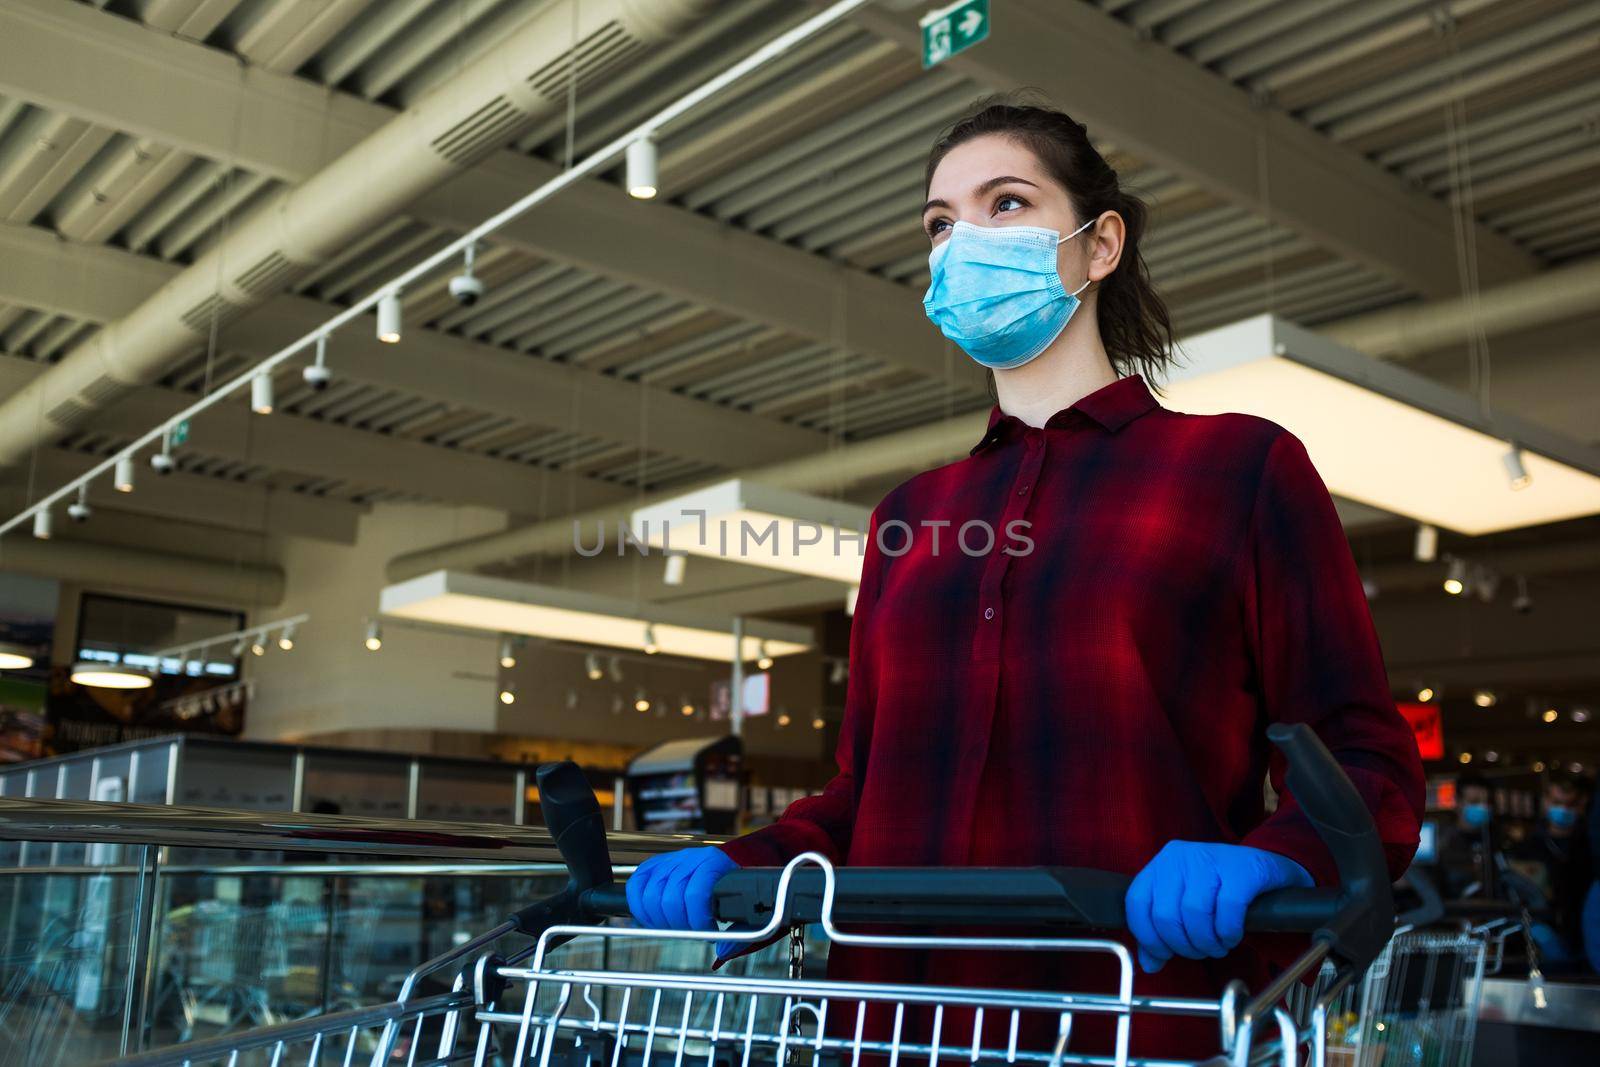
[984, 187]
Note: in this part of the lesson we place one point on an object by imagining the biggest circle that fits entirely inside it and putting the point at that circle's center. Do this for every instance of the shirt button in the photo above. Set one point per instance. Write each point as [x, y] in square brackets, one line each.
[988, 613]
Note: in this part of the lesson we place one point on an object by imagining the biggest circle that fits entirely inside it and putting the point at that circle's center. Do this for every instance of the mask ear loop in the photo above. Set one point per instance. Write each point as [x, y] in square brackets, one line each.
[1069, 237]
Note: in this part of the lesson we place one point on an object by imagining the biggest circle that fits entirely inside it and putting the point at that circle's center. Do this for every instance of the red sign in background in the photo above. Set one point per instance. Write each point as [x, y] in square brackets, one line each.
[1424, 720]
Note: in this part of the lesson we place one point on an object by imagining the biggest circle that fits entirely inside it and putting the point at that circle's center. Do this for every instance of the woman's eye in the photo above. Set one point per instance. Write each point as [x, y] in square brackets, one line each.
[936, 227]
[999, 205]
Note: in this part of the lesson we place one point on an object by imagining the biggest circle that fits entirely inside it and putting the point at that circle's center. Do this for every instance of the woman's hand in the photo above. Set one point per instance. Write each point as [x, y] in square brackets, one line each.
[1190, 900]
[672, 891]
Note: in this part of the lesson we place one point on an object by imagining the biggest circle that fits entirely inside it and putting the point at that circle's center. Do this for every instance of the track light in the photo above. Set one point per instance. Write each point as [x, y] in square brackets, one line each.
[1550, 715]
[374, 636]
[162, 462]
[1580, 715]
[650, 646]
[465, 288]
[122, 480]
[850, 600]
[840, 673]
[261, 393]
[41, 524]
[686, 707]
[389, 318]
[1426, 549]
[257, 648]
[1465, 757]
[1484, 698]
[765, 662]
[508, 695]
[641, 702]
[615, 668]
[508, 653]
[817, 723]
[572, 698]
[80, 511]
[616, 703]
[1522, 603]
[677, 563]
[591, 667]
[1425, 694]
[286, 640]
[1456, 579]
[317, 376]
[783, 718]
[642, 178]
[238, 648]
[1515, 470]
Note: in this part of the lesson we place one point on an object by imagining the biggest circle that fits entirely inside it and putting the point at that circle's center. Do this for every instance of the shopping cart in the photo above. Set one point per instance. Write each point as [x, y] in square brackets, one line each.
[556, 1002]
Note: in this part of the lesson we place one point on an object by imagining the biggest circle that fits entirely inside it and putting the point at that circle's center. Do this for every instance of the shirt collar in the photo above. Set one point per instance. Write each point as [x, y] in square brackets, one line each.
[1111, 407]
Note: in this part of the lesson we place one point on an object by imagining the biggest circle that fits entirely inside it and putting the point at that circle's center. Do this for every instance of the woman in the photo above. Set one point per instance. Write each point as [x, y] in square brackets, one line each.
[1093, 690]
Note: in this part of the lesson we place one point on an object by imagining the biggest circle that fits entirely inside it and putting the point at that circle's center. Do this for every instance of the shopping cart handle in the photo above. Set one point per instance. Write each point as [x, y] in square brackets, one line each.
[1355, 918]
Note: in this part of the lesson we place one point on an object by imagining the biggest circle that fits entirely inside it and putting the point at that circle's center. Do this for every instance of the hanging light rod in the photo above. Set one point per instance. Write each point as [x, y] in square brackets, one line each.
[249, 636]
[595, 161]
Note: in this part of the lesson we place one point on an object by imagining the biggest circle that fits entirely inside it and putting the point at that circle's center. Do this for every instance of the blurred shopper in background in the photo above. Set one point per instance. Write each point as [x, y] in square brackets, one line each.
[1555, 859]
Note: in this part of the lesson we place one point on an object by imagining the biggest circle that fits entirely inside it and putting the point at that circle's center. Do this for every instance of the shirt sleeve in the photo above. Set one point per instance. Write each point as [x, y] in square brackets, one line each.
[823, 823]
[1317, 661]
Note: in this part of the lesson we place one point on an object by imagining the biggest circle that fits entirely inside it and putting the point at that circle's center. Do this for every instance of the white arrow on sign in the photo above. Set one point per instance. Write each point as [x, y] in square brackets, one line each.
[971, 22]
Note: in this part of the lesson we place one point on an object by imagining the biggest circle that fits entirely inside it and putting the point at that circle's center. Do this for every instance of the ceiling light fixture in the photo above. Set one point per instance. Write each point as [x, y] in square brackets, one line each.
[374, 639]
[481, 602]
[286, 639]
[508, 653]
[1426, 547]
[591, 667]
[1516, 470]
[677, 563]
[261, 393]
[317, 376]
[111, 676]
[650, 645]
[508, 695]
[42, 524]
[765, 662]
[15, 657]
[122, 480]
[1456, 578]
[1484, 698]
[389, 317]
[640, 701]
[79, 510]
[1425, 694]
[641, 167]
[1436, 459]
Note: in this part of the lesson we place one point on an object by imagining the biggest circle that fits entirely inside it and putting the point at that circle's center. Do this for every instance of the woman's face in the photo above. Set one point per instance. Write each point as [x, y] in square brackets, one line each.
[994, 180]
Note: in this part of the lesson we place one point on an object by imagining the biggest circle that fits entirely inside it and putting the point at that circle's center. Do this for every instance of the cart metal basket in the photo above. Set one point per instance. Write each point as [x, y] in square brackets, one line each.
[553, 1002]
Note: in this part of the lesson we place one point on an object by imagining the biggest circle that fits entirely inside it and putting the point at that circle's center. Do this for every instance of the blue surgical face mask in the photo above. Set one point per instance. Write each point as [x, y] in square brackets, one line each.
[1475, 814]
[996, 292]
[1561, 816]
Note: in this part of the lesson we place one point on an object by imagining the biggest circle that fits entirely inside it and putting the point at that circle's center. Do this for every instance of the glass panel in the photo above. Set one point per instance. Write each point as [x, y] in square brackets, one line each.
[370, 786]
[466, 794]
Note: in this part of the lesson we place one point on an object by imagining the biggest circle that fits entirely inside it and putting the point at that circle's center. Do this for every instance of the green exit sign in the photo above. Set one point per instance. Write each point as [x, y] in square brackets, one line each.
[180, 432]
[952, 30]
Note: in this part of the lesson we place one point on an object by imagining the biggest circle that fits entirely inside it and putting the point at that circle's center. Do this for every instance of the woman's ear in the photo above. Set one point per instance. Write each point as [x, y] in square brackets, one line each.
[1106, 242]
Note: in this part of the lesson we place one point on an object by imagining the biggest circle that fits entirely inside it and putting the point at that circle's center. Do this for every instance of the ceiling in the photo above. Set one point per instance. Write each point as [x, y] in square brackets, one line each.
[1321, 159]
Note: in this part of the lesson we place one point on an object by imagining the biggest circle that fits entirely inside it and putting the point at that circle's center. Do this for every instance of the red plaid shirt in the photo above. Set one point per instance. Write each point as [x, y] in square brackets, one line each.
[1083, 699]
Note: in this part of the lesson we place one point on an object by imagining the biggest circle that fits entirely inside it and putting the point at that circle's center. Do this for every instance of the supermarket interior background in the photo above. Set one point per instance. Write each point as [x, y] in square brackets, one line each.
[385, 568]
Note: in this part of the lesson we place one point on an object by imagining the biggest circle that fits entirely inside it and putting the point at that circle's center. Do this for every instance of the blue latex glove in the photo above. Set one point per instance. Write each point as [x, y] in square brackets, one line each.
[672, 891]
[1190, 900]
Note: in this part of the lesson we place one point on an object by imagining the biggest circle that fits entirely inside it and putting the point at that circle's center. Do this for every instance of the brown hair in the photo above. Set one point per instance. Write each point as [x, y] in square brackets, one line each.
[1133, 319]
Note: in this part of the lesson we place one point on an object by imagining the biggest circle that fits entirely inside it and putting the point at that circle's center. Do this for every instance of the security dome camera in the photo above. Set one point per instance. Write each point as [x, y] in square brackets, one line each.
[466, 289]
[78, 512]
[162, 463]
[317, 377]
